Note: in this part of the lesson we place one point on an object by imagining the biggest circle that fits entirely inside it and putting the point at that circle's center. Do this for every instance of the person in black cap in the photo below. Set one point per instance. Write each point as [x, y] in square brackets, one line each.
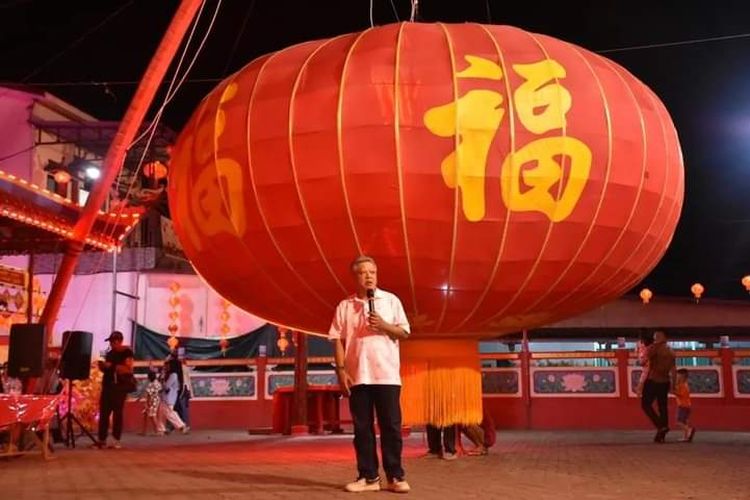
[117, 382]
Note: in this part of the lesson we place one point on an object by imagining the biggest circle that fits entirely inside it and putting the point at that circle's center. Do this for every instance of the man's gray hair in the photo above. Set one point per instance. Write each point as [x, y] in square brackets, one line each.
[361, 260]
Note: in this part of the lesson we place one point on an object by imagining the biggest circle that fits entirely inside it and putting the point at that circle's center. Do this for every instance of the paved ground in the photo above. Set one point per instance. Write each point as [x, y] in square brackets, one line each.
[523, 465]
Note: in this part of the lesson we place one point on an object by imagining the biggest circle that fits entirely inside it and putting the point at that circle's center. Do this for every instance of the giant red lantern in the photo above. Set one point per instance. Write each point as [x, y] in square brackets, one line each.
[501, 179]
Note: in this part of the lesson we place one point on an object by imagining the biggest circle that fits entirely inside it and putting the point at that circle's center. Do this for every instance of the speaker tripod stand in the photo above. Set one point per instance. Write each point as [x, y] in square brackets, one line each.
[69, 418]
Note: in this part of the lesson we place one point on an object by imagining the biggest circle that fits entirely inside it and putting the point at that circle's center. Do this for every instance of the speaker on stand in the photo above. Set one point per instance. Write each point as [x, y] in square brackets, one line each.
[75, 364]
[27, 351]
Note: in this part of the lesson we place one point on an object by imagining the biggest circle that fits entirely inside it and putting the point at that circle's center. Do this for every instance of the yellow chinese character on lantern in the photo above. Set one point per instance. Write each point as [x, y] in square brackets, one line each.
[547, 187]
[218, 205]
[547, 175]
[541, 102]
[473, 120]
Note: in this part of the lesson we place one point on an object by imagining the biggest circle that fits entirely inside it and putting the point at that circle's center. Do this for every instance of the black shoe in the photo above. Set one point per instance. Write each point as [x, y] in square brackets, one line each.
[660, 435]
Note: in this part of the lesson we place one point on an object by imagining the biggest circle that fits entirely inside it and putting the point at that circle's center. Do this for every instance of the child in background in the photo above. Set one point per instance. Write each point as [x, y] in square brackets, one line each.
[645, 341]
[169, 395]
[152, 394]
[682, 393]
[483, 436]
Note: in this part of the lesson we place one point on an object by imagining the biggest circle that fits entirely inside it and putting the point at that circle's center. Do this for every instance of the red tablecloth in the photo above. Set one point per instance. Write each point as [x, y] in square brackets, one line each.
[26, 409]
[322, 408]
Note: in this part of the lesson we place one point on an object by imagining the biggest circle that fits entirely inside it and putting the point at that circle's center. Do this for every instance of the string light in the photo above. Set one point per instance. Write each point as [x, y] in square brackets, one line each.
[108, 244]
[56, 197]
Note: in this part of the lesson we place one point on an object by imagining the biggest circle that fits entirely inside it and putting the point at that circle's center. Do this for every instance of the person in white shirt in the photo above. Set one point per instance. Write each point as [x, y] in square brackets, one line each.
[366, 329]
[170, 391]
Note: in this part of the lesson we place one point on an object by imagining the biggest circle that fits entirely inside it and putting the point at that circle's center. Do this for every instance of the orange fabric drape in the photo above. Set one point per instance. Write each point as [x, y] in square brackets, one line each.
[442, 382]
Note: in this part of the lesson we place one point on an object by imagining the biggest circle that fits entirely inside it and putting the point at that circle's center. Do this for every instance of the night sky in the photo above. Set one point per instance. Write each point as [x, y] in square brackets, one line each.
[69, 49]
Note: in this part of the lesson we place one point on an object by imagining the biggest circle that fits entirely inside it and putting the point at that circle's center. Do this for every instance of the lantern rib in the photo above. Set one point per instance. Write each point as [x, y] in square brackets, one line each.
[551, 225]
[675, 210]
[261, 212]
[339, 138]
[400, 167]
[602, 195]
[625, 228]
[655, 217]
[293, 164]
[630, 283]
[508, 213]
[456, 141]
[241, 240]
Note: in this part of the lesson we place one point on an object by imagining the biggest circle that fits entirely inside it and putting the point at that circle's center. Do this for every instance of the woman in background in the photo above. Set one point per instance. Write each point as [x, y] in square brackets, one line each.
[169, 395]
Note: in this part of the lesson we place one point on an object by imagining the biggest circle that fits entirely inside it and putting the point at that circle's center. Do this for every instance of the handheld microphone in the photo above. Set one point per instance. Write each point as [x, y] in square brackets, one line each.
[371, 300]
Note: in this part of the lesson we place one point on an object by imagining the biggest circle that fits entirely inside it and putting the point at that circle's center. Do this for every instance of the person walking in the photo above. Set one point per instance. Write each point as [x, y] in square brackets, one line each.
[662, 372]
[170, 391]
[682, 393]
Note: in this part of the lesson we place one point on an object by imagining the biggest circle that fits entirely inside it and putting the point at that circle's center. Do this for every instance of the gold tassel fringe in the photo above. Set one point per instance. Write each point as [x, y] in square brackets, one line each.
[442, 382]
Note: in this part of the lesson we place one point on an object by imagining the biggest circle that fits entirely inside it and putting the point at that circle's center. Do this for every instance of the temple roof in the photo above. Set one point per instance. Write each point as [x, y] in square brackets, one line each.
[33, 219]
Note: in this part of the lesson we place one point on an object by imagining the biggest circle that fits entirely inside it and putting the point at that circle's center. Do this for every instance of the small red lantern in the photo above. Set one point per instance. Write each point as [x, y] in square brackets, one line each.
[646, 295]
[697, 290]
[223, 344]
[156, 170]
[746, 282]
[282, 344]
[62, 177]
[173, 342]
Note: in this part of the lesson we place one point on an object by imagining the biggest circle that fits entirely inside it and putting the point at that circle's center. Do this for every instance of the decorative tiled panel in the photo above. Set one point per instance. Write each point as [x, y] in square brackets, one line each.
[501, 382]
[224, 386]
[574, 382]
[275, 380]
[702, 381]
[216, 386]
[742, 381]
[140, 383]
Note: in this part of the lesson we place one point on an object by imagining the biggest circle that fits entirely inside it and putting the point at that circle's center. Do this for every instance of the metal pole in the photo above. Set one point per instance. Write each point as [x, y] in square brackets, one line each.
[114, 291]
[129, 125]
[30, 290]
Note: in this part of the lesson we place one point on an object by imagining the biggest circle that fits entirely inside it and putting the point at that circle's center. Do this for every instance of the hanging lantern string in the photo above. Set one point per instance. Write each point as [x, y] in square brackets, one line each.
[176, 82]
[414, 9]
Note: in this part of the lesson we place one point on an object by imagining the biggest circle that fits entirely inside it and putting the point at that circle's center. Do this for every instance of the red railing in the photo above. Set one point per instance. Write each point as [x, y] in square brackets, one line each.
[535, 390]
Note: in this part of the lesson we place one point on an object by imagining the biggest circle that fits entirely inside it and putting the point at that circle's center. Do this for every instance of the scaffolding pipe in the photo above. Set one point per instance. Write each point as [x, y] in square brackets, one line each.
[113, 161]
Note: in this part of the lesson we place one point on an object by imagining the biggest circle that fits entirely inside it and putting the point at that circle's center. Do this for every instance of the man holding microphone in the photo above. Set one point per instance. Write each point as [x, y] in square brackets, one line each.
[366, 329]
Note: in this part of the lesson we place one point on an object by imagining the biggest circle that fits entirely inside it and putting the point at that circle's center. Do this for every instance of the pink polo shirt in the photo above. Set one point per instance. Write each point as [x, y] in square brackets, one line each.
[370, 357]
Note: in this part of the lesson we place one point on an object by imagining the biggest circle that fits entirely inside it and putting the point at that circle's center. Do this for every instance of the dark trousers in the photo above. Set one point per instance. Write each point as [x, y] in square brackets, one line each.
[182, 407]
[448, 434]
[111, 402]
[658, 391]
[383, 400]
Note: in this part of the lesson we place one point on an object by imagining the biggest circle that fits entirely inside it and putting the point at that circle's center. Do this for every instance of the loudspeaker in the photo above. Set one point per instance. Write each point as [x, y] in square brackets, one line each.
[27, 350]
[75, 361]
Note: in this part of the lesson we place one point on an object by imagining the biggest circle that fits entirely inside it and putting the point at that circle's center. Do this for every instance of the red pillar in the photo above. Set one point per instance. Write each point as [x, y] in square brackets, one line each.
[260, 371]
[129, 125]
[727, 361]
[622, 356]
[525, 358]
[299, 406]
